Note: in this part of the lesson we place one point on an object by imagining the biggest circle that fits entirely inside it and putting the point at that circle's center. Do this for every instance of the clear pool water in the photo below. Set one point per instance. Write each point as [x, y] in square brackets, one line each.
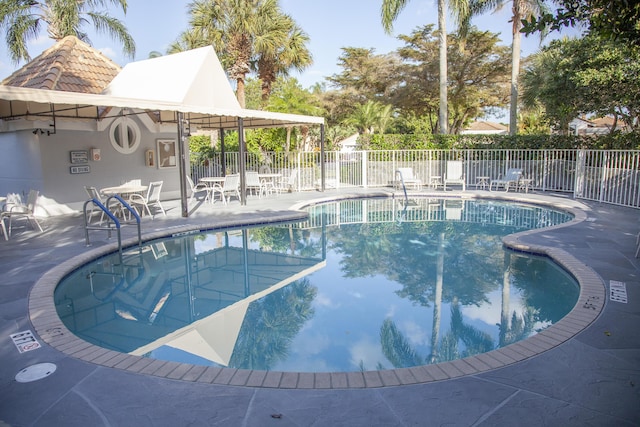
[361, 285]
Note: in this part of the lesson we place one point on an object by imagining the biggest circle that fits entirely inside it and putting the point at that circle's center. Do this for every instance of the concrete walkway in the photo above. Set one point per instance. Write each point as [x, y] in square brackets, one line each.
[592, 378]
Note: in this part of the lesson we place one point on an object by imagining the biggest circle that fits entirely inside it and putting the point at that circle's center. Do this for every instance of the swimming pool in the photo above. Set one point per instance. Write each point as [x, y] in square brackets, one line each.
[363, 284]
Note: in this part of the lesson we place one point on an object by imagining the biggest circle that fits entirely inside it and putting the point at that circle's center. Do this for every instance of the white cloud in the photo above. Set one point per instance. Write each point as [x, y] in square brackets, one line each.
[414, 332]
[108, 52]
[322, 300]
[367, 352]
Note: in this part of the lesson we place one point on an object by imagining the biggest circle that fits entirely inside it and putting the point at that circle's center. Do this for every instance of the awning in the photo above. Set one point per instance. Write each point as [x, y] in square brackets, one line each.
[27, 103]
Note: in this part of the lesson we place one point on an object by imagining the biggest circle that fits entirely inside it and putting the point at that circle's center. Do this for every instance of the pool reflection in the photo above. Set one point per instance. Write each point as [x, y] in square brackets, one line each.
[362, 284]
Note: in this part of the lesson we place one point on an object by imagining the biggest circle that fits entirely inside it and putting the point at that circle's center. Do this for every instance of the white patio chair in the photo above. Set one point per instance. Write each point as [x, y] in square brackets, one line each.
[454, 174]
[200, 187]
[254, 184]
[18, 210]
[287, 183]
[406, 176]
[152, 199]
[93, 193]
[512, 177]
[230, 187]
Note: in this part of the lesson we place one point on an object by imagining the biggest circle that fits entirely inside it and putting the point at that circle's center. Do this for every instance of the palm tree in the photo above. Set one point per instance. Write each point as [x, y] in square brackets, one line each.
[22, 21]
[369, 116]
[522, 9]
[284, 48]
[243, 31]
[390, 11]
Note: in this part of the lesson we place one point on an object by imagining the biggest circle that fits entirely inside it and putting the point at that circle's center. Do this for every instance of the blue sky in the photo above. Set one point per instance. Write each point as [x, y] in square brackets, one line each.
[331, 25]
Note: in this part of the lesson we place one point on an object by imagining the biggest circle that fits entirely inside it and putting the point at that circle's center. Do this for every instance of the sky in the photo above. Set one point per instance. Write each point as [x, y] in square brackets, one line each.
[330, 24]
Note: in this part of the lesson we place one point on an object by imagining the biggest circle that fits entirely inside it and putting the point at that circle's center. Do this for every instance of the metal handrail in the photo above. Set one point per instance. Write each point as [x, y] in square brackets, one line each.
[111, 217]
[404, 187]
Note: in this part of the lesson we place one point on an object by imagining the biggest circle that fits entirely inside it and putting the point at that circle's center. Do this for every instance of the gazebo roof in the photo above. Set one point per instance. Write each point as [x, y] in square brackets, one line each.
[70, 65]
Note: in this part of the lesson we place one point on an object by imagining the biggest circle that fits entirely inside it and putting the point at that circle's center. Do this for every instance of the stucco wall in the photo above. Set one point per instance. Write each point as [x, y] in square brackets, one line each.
[43, 162]
[20, 162]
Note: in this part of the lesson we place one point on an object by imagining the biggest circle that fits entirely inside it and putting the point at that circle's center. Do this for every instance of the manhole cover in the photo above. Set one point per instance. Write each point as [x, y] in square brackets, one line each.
[35, 372]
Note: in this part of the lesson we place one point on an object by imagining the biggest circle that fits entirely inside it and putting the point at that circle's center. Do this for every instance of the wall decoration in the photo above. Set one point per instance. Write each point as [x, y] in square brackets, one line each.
[167, 153]
[79, 169]
[79, 156]
[150, 158]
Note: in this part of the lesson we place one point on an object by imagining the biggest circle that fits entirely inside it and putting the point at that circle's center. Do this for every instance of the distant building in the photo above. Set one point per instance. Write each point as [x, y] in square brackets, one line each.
[599, 126]
[485, 128]
[349, 144]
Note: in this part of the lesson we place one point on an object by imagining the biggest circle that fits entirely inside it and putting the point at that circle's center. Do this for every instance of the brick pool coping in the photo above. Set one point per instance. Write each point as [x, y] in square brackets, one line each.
[590, 304]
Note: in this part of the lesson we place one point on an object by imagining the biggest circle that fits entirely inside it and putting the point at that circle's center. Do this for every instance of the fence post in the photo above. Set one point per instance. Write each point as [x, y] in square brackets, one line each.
[365, 178]
[603, 179]
[581, 167]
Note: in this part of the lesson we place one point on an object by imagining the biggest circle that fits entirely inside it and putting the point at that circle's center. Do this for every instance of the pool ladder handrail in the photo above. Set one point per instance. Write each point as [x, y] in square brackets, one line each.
[111, 219]
[404, 187]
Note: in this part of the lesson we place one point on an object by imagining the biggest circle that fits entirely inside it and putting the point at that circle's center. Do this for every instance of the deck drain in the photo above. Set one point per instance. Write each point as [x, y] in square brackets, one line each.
[35, 372]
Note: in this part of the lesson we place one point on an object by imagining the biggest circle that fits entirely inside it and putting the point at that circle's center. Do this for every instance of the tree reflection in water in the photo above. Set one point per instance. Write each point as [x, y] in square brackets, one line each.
[270, 325]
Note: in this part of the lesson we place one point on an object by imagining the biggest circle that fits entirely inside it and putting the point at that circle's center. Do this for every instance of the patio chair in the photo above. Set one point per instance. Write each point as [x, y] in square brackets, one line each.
[407, 177]
[454, 175]
[287, 183]
[16, 209]
[230, 187]
[152, 199]
[512, 177]
[254, 184]
[200, 187]
[93, 193]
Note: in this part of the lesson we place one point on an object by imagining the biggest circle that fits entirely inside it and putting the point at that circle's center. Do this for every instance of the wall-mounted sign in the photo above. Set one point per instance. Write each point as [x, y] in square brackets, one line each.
[80, 156]
[79, 169]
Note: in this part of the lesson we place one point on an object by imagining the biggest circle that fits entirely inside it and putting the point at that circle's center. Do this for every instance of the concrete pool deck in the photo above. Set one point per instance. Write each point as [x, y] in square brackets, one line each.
[592, 378]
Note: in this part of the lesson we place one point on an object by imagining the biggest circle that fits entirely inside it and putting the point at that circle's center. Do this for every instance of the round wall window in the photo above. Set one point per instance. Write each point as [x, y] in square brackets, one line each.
[125, 135]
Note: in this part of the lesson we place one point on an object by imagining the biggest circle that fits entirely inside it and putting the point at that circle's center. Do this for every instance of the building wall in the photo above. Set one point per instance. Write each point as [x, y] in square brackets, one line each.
[20, 162]
[43, 162]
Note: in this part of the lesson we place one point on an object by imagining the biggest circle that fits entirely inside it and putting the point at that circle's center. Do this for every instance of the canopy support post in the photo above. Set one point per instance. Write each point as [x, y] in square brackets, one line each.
[182, 166]
[241, 162]
[322, 159]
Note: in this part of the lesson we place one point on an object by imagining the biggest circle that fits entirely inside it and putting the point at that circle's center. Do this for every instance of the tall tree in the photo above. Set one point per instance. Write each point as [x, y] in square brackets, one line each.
[478, 75]
[389, 13]
[617, 20]
[283, 50]
[22, 21]
[242, 31]
[522, 9]
[591, 75]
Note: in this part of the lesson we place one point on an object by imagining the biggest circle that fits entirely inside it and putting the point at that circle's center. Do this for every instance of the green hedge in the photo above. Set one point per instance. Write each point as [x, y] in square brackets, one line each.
[616, 141]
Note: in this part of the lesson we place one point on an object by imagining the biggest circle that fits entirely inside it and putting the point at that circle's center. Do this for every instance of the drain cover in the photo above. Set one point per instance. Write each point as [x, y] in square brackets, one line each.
[35, 372]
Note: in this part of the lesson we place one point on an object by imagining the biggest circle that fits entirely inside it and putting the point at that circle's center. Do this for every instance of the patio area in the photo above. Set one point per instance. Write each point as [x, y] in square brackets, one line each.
[592, 378]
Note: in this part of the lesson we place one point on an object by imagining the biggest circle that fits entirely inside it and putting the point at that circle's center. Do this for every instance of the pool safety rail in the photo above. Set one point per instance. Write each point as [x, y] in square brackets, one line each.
[401, 181]
[606, 176]
[112, 221]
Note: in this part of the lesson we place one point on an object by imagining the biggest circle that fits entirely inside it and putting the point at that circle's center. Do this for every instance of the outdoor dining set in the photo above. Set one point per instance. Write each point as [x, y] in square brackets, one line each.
[257, 184]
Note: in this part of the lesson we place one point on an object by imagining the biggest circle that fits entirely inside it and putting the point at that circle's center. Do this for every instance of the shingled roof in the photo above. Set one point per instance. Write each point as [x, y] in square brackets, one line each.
[70, 65]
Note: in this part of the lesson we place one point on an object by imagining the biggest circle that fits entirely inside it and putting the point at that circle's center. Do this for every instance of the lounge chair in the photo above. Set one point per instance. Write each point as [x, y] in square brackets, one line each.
[455, 174]
[510, 178]
[406, 176]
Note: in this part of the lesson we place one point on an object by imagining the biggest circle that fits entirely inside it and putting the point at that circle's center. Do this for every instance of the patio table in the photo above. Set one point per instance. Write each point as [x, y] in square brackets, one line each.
[211, 180]
[123, 189]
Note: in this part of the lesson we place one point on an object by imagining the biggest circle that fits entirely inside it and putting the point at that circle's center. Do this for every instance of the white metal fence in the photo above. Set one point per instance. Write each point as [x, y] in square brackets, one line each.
[608, 176]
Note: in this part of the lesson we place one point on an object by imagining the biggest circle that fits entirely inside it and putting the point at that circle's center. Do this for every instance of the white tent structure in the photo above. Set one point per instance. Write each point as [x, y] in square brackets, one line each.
[214, 337]
[189, 89]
